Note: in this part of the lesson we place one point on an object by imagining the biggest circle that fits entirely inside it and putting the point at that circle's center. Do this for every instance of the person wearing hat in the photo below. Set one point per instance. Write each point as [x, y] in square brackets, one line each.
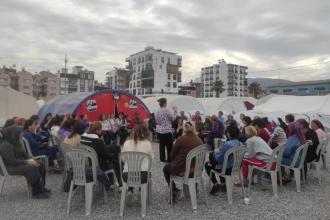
[164, 119]
[278, 136]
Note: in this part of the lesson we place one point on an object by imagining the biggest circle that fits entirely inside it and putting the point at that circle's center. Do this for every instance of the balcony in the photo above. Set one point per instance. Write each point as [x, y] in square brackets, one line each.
[147, 74]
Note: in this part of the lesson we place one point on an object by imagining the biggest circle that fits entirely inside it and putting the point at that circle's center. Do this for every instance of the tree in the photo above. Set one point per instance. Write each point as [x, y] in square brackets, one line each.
[218, 88]
[255, 89]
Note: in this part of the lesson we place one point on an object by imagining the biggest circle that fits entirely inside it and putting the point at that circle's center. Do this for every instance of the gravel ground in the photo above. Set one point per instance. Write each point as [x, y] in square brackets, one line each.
[311, 203]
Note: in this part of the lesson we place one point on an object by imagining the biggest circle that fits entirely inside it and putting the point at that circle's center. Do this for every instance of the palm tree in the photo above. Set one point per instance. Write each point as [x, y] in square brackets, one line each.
[255, 89]
[218, 88]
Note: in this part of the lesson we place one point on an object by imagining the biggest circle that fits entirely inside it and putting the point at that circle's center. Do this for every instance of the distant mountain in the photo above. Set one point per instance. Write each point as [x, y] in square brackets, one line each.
[264, 82]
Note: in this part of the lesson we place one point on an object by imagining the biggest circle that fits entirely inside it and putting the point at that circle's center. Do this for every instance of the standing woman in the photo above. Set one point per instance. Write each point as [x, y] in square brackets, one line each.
[164, 119]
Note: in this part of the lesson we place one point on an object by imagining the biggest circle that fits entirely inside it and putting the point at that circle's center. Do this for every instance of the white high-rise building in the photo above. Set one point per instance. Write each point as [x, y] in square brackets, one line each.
[233, 77]
[154, 71]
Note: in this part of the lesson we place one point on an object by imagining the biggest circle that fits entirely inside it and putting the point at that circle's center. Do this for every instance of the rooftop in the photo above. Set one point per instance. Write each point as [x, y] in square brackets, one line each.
[301, 83]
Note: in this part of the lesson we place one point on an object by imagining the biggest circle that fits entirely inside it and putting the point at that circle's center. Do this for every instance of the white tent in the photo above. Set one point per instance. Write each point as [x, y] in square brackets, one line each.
[184, 103]
[229, 105]
[14, 103]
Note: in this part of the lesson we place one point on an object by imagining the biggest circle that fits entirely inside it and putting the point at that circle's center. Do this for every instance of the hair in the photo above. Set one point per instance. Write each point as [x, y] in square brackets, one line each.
[77, 128]
[289, 118]
[34, 118]
[94, 127]
[12, 134]
[303, 123]
[81, 116]
[9, 123]
[233, 131]
[101, 116]
[162, 102]
[318, 124]
[265, 120]
[67, 125]
[247, 120]
[214, 118]
[258, 122]
[20, 121]
[140, 133]
[220, 112]
[295, 129]
[28, 123]
[57, 120]
[73, 115]
[46, 116]
[282, 124]
[189, 128]
[250, 131]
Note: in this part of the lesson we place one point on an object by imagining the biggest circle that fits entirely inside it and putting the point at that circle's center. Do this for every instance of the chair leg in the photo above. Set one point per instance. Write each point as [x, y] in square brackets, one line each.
[303, 175]
[105, 194]
[318, 171]
[229, 186]
[273, 175]
[88, 198]
[250, 179]
[242, 185]
[144, 191]
[69, 198]
[204, 192]
[2, 183]
[123, 198]
[280, 177]
[29, 188]
[171, 191]
[297, 178]
[324, 160]
[193, 196]
[149, 190]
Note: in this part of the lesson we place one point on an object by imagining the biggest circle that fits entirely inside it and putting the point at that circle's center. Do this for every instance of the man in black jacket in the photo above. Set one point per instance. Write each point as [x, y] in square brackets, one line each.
[108, 156]
[312, 136]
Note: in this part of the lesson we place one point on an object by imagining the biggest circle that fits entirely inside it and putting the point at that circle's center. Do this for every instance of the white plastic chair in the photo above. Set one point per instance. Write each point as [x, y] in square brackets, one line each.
[133, 161]
[197, 154]
[43, 157]
[297, 165]
[4, 174]
[275, 159]
[324, 151]
[111, 171]
[237, 153]
[77, 162]
[64, 149]
[318, 161]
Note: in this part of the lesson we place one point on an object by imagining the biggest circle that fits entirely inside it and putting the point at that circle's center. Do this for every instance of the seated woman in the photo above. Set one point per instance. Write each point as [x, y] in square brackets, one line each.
[73, 139]
[122, 130]
[37, 146]
[295, 139]
[215, 132]
[232, 133]
[246, 122]
[258, 153]
[56, 125]
[139, 143]
[262, 131]
[108, 157]
[183, 145]
[18, 162]
[66, 128]
[318, 127]
[106, 128]
[278, 137]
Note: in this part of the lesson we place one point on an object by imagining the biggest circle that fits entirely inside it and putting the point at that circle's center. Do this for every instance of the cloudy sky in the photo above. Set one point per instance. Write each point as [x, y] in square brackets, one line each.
[100, 34]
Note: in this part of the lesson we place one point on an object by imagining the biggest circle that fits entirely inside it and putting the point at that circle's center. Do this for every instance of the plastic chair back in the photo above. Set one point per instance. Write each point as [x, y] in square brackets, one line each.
[27, 147]
[237, 153]
[322, 145]
[276, 157]
[300, 155]
[133, 161]
[77, 160]
[91, 151]
[198, 155]
[3, 169]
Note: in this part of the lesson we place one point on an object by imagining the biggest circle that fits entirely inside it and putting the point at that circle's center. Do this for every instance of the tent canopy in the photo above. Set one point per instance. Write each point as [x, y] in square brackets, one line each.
[184, 103]
[229, 105]
[14, 103]
[95, 103]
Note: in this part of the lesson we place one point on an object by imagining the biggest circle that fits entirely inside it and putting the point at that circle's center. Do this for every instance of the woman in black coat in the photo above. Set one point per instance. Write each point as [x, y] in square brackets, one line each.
[18, 162]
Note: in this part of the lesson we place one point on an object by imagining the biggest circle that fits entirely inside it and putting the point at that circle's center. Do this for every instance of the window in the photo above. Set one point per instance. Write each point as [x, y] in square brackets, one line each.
[134, 78]
[142, 59]
[168, 84]
[273, 91]
[319, 88]
[162, 59]
[174, 85]
[179, 61]
[174, 77]
[138, 68]
[160, 66]
[287, 90]
[168, 76]
[168, 60]
[302, 89]
[139, 60]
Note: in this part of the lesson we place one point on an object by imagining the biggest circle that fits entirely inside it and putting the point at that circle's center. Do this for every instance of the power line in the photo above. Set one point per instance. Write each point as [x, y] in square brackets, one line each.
[288, 68]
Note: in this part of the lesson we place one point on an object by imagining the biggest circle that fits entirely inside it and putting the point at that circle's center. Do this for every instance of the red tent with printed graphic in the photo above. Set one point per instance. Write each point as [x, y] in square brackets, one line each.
[93, 104]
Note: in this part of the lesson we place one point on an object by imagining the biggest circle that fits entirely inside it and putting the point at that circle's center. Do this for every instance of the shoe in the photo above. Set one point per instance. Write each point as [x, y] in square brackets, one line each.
[47, 190]
[215, 189]
[223, 188]
[286, 181]
[41, 196]
[239, 184]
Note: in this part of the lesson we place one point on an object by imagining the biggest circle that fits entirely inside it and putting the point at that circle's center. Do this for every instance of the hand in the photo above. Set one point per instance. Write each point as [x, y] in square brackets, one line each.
[32, 162]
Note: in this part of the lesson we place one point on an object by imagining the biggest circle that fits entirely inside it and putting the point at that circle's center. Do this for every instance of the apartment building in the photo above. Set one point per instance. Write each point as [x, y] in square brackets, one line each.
[4, 80]
[118, 78]
[154, 71]
[233, 77]
[194, 88]
[80, 80]
[46, 84]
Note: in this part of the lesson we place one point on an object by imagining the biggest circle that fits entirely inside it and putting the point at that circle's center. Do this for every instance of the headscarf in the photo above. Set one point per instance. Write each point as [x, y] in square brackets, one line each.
[12, 134]
[276, 121]
[295, 129]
